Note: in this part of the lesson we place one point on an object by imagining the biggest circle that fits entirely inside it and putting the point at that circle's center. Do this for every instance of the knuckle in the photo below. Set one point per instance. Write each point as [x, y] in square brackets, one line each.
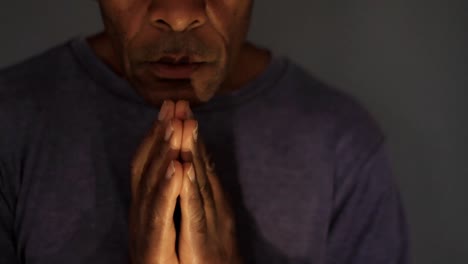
[207, 193]
[159, 150]
[161, 198]
[157, 220]
[144, 190]
[230, 225]
[135, 170]
[194, 198]
[205, 189]
[198, 221]
[156, 204]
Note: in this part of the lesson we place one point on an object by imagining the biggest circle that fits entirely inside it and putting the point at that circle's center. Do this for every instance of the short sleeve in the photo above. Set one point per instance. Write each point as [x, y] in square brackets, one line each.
[368, 224]
[8, 123]
[7, 244]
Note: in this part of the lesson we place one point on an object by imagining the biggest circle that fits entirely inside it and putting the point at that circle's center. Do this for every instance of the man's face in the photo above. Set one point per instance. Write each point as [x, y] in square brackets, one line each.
[177, 49]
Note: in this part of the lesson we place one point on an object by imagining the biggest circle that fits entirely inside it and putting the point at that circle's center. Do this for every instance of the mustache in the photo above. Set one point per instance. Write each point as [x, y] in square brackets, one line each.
[177, 43]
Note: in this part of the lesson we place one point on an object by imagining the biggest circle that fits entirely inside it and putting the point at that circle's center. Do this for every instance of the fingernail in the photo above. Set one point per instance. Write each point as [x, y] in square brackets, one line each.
[210, 166]
[170, 170]
[189, 113]
[191, 173]
[162, 111]
[169, 131]
[195, 133]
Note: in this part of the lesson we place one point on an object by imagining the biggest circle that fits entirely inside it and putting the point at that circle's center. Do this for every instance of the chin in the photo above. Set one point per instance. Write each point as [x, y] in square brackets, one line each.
[207, 82]
[193, 91]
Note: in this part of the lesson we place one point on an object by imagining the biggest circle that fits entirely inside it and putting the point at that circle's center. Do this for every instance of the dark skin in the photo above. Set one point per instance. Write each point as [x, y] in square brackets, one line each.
[172, 161]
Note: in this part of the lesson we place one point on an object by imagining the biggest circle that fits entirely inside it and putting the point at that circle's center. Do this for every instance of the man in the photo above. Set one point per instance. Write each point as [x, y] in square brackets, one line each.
[170, 139]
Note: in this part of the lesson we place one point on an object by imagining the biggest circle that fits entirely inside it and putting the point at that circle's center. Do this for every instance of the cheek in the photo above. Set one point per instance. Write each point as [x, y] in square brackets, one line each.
[229, 17]
[125, 18]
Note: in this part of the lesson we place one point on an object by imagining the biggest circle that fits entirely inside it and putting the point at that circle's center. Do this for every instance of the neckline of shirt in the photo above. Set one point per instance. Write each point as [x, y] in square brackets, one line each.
[104, 76]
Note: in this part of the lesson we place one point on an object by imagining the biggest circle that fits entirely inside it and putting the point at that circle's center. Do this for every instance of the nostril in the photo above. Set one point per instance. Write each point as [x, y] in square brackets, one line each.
[161, 23]
[177, 23]
[194, 24]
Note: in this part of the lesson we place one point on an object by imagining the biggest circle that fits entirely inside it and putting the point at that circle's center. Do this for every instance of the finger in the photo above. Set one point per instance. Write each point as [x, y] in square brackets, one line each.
[193, 222]
[189, 138]
[204, 184]
[160, 160]
[140, 160]
[167, 110]
[190, 152]
[168, 150]
[161, 208]
[221, 198]
[183, 111]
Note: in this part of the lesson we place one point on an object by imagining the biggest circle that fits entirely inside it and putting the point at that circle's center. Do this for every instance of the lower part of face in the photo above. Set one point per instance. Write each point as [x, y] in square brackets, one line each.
[176, 49]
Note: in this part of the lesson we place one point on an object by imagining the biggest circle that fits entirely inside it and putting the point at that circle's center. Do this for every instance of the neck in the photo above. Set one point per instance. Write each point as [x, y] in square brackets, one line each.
[251, 62]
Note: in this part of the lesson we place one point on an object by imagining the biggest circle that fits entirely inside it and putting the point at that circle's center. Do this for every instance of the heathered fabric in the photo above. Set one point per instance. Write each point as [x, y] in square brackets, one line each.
[305, 165]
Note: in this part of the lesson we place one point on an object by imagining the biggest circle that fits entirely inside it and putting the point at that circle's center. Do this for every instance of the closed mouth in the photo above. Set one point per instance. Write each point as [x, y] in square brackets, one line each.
[174, 70]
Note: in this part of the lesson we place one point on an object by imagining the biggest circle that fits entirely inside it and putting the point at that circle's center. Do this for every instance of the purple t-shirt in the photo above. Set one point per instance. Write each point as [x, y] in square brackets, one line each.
[305, 164]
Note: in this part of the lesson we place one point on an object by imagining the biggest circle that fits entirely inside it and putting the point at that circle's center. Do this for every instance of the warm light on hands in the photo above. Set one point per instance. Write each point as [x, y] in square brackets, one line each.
[171, 163]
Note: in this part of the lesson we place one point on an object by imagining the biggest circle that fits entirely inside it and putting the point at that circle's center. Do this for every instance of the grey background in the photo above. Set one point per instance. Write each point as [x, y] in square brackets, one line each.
[406, 61]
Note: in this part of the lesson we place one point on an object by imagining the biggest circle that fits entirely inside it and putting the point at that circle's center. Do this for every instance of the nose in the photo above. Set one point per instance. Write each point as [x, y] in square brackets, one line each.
[178, 15]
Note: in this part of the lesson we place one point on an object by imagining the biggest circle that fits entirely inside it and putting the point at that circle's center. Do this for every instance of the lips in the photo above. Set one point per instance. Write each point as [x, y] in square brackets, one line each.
[174, 71]
[174, 67]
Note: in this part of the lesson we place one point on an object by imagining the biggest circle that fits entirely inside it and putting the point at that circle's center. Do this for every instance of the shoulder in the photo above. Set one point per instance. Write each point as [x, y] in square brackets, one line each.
[312, 103]
[354, 138]
[25, 84]
[38, 73]
[29, 87]
[38, 81]
[334, 123]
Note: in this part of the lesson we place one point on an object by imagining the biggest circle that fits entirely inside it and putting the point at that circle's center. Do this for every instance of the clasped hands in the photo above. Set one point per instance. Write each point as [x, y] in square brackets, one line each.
[172, 163]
